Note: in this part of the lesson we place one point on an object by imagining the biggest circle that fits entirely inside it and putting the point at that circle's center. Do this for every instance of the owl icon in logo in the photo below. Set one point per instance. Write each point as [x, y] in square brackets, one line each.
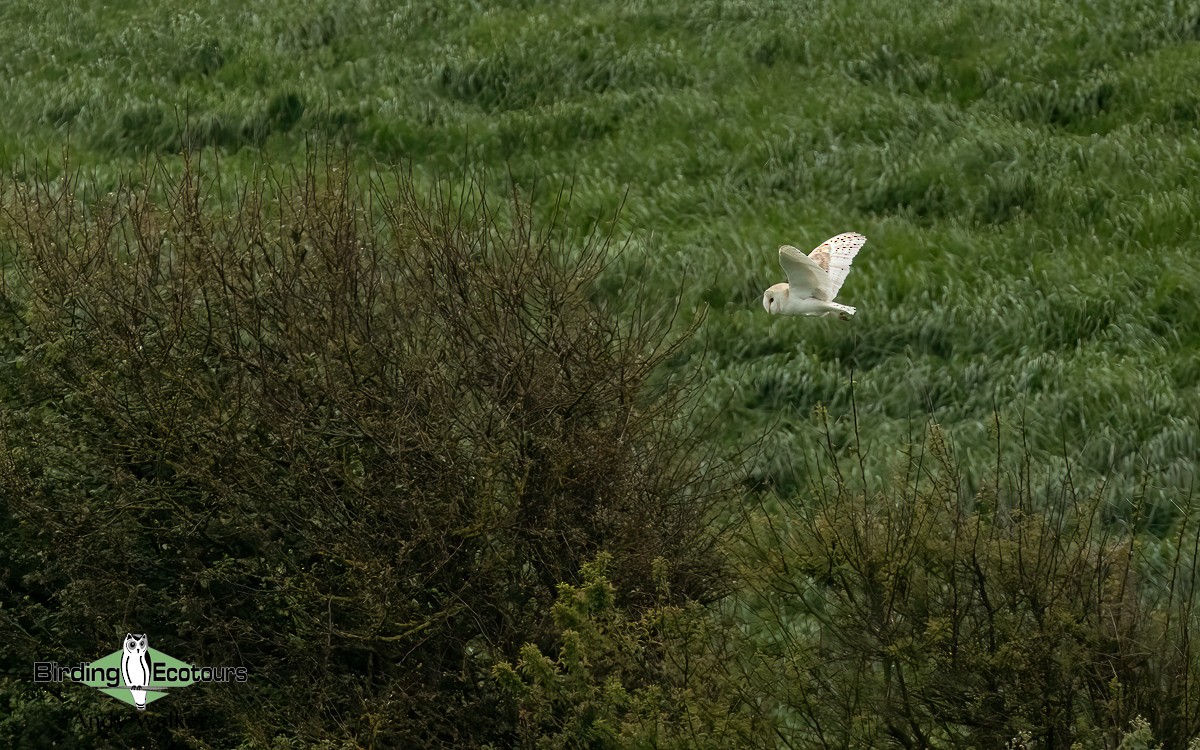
[135, 667]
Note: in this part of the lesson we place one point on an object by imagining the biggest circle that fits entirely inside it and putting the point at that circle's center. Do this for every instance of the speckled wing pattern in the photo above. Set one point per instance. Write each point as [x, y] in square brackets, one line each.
[835, 255]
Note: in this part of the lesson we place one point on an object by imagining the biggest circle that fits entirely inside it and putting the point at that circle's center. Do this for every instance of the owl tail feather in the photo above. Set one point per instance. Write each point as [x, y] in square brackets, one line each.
[843, 311]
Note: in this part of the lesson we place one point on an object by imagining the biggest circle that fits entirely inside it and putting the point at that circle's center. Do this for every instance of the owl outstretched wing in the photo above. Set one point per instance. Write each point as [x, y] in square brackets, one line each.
[834, 256]
[806, 278]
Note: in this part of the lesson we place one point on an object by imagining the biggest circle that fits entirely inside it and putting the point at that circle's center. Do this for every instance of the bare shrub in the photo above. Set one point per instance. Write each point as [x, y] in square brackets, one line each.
[349, 436]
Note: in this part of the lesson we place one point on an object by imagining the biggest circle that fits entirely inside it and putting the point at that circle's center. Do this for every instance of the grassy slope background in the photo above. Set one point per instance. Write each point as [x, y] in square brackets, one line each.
[1027, 174]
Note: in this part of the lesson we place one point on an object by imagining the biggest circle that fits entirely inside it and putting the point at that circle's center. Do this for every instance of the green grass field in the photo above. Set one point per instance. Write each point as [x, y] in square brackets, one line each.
[1027, 173]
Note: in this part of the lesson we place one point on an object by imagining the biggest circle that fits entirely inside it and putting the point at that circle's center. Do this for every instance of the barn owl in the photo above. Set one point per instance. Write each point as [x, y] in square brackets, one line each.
[135, 667]
[814, 279]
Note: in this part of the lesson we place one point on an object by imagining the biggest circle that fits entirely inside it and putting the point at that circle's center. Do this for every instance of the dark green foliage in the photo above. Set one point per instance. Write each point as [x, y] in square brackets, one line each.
[922, 616]
[653, 681]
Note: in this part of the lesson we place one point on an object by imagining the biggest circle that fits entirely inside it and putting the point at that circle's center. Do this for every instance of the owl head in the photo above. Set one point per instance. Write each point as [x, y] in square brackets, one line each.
[774, 298]
[135, 644]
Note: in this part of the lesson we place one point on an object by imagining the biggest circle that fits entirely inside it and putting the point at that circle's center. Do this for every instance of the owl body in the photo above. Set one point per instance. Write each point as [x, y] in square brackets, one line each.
[778, 301]
[814, 279]
[135, 667]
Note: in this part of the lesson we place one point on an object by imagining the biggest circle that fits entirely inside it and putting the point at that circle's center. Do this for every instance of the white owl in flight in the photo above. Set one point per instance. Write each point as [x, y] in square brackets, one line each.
[814, 279]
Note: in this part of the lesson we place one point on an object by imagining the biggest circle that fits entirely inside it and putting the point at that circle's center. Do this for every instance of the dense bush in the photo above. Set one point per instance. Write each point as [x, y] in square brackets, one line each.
[352, 439]
[651, 681]
[919, 615]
